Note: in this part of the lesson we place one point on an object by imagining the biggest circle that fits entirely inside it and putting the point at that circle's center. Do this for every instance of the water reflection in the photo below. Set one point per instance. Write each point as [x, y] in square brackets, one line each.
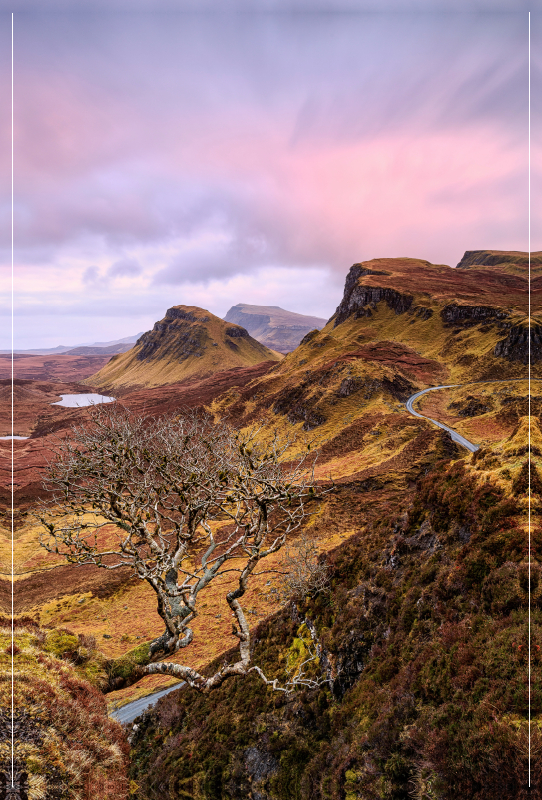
[75, 400]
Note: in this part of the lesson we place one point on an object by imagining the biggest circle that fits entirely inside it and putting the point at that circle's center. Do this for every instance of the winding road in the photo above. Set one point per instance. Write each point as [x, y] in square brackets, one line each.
[130, 711]
[454, 434]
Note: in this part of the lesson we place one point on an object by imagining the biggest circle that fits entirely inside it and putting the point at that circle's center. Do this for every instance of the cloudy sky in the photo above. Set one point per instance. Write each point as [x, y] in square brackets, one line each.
[166, 157]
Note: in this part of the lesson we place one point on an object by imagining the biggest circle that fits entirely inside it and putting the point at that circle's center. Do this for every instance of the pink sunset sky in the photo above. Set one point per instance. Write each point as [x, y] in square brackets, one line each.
[218, 158]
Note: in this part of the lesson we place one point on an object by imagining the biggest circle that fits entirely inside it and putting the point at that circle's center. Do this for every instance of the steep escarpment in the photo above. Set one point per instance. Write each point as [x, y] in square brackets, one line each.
[461, 317]
[402, 325]
[274, 326]
[188, 342]
[519, 264]
[358, 299]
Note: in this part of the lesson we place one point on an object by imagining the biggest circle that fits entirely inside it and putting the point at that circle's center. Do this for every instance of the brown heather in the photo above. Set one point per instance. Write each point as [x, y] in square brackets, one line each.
[423, 630]
[64, 741]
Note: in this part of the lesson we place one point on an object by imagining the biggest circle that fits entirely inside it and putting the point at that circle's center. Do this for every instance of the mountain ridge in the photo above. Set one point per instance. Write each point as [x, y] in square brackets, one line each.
[189, 341]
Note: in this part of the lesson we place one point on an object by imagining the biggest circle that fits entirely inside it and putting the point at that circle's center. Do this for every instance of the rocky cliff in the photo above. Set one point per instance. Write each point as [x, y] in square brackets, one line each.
[188, 342]
[273, 326]
[516, 345]
[469, 315]
[359, 300]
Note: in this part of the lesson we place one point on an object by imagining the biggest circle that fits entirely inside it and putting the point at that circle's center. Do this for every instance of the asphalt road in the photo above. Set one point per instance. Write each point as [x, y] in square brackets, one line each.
[454, 434]
[132, 710]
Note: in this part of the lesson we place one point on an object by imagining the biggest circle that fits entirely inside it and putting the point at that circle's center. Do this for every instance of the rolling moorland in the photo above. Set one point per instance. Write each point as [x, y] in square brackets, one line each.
[423, 629]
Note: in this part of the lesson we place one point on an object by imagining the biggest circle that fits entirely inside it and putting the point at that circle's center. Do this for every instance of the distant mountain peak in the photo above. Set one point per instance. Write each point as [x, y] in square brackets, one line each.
[273, 326]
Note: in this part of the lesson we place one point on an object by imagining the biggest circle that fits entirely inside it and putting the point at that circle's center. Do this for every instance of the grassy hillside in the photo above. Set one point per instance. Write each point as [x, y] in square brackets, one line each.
[423, 631]
[344, 387]
[189, 342]
[423, 639]
[423, 635]
[402, 325]
[65, 746]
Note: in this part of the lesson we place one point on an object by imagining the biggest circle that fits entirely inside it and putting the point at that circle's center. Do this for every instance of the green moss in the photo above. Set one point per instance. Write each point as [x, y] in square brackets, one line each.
[59, 643]
[299, 649]
[124, 666]
[93, 671]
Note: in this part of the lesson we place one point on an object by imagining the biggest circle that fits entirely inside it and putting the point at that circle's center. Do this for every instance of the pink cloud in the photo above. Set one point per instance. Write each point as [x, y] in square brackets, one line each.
[205, 152]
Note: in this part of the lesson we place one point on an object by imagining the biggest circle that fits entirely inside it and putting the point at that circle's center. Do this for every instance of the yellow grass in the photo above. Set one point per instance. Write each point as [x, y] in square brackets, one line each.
[167, 364]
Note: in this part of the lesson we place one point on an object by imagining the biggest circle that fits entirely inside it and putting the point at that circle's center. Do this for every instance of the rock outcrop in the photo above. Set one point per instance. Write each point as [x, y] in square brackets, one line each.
[505, 261]
[358, 300]
[486, 292]
[516, 345]
[467, 316]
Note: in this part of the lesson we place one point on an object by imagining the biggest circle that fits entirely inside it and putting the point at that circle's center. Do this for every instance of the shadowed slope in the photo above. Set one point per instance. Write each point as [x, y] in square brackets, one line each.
[513, 261]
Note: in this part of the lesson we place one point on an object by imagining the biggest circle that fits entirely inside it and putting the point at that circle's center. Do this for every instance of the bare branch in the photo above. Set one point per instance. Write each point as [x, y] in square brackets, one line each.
[178, 499]
[302, 572]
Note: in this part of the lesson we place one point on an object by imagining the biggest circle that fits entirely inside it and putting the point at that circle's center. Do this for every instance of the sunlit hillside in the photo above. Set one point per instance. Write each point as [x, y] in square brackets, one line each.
[189, 342]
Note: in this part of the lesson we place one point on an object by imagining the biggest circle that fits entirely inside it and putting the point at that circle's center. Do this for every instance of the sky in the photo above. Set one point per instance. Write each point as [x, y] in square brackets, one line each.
[251, 154]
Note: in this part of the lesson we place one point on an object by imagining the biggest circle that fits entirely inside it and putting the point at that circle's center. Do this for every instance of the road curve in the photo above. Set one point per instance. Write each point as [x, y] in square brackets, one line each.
[454, 434]
[130, 711]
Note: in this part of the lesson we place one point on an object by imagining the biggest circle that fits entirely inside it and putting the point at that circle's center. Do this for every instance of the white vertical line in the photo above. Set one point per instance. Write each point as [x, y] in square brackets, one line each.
[529, 395]
[12, 430]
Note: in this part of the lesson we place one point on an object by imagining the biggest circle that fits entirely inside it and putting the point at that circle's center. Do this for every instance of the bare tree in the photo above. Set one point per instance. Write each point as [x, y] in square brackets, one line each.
[181, 501]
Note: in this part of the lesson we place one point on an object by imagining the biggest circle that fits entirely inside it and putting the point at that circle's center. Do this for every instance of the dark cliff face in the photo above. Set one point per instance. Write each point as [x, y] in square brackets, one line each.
[467, 316]
[237, 332]
[181, 340]
[516, 345]
[358, 300]
[187, 343]
[179, 313]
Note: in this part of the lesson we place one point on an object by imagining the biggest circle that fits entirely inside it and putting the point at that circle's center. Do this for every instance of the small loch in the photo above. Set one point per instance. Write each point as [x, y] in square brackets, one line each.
[80, 400]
